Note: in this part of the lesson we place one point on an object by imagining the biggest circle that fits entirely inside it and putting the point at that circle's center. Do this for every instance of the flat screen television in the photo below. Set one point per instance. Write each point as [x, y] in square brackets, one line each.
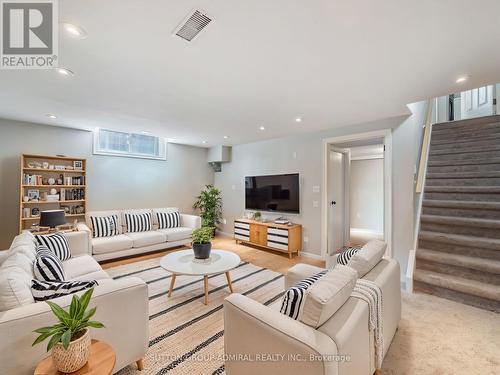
[276, 193]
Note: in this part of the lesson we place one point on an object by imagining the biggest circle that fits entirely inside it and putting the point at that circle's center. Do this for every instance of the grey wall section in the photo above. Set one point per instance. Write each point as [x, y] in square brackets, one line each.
[303, 154]
[113, 182]
[367, 195]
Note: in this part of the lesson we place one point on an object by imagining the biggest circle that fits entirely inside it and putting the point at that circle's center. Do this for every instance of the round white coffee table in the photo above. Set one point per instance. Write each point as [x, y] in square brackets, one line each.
[184, 263]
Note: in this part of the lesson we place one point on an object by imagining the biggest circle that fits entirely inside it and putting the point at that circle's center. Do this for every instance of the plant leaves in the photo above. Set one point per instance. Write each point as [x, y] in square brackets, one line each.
[66, 338]
[94, 324]
[89, 314]
[41, 338]
[58, 311]
[54, 340]
[85, 299]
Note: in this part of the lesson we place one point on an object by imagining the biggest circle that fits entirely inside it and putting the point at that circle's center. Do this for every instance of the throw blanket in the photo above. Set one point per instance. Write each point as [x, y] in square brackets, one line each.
[369, 292]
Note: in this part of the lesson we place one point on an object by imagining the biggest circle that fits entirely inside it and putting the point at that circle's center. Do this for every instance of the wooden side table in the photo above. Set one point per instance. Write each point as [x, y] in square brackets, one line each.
[101, 362]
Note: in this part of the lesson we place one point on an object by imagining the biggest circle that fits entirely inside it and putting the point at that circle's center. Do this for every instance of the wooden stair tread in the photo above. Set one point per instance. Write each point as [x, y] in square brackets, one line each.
[469, 161]
[480, 174]
[462, 189]
[461, 204]
[476, 263]
[464, 221]
[459, 284]
[460, 239]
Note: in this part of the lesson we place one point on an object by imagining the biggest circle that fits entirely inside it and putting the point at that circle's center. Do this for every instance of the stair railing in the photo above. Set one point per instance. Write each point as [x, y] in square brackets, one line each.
[419, 187]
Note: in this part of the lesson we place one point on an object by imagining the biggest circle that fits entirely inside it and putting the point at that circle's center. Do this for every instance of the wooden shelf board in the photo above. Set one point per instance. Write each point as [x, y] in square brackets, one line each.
[49, 202]
[54, 186]
[38, 217]
[53, 170]
[52, 157]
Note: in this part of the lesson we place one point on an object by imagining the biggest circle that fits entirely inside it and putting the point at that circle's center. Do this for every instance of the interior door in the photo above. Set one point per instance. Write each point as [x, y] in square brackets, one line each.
[337, 202]
[477, 102]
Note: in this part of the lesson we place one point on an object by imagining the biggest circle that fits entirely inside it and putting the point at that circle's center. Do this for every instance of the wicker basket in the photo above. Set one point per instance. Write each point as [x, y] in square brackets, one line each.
[73, 358]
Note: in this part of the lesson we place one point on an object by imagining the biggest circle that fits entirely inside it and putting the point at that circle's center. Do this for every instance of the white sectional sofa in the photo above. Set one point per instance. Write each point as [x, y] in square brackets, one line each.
[252, 329]
[126, 244]
[127, 332]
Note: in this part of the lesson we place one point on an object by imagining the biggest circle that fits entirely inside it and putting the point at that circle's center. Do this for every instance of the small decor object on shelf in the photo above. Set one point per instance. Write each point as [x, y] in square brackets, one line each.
[78, 165]
[35, 212]
[26, 212]
[70, 338]
[33, 194]
[202, 242]
[257, 216]
[45, 165]
[209, 202]
[51, 181]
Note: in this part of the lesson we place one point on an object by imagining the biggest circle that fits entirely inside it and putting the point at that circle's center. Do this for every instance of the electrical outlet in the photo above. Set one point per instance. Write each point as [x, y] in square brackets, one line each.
[315, 189]
[315, 204]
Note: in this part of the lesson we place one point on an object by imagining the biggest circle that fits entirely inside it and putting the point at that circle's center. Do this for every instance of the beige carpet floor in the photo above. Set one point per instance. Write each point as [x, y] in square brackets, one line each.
[435, 336]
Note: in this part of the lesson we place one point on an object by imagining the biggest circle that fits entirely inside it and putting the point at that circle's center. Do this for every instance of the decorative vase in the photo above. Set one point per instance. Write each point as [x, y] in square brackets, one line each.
[73, 358]
[202, 250]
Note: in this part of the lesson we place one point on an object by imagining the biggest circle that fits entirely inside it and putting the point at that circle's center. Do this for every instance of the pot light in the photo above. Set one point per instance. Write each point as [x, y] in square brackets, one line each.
[65, 72]
[204, 142]
[462, 79]
[74, 31]
[50, 115]
[262, 128]
[298, 119]
[226, 137]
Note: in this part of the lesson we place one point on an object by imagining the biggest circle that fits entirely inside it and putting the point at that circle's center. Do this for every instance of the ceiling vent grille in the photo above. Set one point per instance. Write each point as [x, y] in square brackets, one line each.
[193, 25]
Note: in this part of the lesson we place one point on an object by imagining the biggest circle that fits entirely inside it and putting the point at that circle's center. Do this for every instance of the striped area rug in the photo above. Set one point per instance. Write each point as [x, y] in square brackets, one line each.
[187, 337]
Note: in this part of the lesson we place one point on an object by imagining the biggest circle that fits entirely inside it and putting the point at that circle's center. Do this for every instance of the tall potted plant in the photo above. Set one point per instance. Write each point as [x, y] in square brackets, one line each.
[209, 202]
[70, 338]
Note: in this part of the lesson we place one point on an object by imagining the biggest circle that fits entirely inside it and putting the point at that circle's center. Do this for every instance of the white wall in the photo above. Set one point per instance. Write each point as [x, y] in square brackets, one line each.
[367, 195]
[113, 182]
[303, 154]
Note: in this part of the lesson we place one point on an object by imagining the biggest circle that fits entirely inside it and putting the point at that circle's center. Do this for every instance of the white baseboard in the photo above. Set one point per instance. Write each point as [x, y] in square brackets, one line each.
[310, 255]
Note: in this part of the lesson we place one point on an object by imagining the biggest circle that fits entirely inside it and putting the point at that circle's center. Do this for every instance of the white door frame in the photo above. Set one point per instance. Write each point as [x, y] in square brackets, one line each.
[327, 142]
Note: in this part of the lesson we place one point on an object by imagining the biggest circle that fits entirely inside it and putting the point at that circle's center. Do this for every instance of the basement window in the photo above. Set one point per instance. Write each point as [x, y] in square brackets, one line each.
[145, 146]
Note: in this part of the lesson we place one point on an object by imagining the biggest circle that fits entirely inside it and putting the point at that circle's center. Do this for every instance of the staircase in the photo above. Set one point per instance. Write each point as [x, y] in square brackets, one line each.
[458, 255]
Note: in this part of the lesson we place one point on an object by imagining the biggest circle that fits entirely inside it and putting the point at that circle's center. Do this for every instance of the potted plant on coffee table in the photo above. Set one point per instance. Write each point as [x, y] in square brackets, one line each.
[201, 242]
[70, 338]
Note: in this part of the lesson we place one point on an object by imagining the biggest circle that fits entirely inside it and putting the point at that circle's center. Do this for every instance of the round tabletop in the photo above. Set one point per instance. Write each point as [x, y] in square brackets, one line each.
[101, 362]
[184, 263]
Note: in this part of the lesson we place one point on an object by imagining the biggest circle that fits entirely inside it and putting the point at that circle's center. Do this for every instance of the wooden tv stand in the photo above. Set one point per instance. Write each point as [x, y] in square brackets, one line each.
[285, 238]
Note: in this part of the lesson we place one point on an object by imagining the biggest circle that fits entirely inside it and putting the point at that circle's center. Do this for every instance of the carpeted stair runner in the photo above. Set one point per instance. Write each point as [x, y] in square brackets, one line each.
[459, 241]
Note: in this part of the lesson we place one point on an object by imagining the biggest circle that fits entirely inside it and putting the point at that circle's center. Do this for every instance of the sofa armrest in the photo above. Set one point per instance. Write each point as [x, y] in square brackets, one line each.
[122, 306]
[299, 272]
[79, 242]
[255, 333]
[191, 221]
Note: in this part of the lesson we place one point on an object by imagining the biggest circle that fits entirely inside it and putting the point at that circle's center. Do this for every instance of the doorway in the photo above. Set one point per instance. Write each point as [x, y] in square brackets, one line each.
[357, 191]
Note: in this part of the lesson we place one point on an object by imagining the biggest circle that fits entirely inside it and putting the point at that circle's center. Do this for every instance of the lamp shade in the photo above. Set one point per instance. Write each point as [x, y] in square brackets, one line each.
[52, 218]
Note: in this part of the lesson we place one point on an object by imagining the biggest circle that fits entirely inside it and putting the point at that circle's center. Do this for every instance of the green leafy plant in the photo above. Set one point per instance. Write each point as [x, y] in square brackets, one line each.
[203, 235]
[71, 324]
[257, 216]
[209, 202]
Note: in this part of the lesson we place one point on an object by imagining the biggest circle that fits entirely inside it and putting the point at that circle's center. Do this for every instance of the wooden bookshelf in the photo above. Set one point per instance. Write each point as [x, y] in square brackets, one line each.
[36, 171]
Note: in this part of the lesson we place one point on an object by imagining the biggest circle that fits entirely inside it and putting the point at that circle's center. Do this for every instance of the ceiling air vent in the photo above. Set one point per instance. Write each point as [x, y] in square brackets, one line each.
[193, 25]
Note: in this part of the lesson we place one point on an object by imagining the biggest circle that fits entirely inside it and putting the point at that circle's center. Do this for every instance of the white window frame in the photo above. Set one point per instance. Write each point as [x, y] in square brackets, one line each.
[162, 144]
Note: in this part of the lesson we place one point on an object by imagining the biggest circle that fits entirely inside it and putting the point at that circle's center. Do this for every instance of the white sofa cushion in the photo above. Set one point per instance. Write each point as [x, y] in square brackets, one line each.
[80, 266]
[97, 275]
[15, 288]
[4, 254]
[177, 234]
[368, 257]
[24, 243]
[104, 245]
[327, 295]
[142, 239]
[88, 215]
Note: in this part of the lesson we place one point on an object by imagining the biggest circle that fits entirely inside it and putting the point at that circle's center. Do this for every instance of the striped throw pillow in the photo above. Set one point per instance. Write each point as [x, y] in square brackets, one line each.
[294, 297]
[345, 256]
[44, 290]
[47, 266]
[104, 226]
[168, 219]
[138, 222]
[56, 243]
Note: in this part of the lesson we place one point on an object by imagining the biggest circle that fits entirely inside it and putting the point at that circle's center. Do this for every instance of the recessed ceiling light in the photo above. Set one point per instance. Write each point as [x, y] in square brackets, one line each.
[262, 128]
[226, 137]
[462, 79]
[65, 72]
[50, 115]
[298, 119]
[145, 133]
[74, 31]
[204, 142]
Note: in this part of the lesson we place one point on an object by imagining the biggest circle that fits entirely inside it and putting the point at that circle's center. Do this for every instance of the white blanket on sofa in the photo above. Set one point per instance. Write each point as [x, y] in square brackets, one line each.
[369, 292]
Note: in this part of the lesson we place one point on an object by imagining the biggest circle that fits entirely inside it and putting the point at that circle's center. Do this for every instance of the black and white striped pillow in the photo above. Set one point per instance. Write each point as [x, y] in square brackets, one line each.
[56, 243]
[104, 226]
[44, 290]
[345, 257]
[295, 296]
[168, 219]
[47, 266]
[138, 222]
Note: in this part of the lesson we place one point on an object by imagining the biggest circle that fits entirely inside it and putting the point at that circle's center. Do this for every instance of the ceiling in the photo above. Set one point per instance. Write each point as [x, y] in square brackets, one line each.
[258, 63]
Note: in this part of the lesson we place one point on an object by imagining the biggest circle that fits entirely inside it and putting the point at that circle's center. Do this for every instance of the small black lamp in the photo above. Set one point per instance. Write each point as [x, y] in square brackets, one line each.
[52, 218]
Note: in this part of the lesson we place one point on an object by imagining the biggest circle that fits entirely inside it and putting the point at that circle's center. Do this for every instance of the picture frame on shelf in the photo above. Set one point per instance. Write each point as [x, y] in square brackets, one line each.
[78, 165]
[33, 194]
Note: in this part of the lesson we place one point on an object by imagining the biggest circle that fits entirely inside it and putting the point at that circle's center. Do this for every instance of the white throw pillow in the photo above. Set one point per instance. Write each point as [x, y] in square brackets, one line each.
[327, 295]
[15, 288]
[368, 257]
